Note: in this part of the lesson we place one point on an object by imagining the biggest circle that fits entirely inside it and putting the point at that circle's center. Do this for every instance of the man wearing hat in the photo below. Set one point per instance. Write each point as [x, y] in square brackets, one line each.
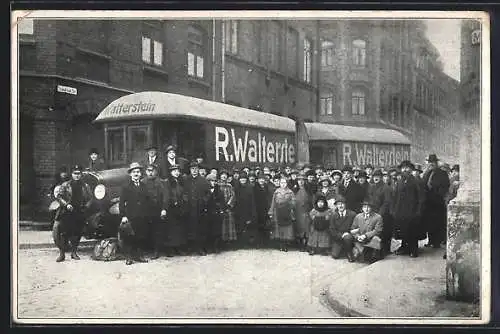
[262, 201]
[351, 190]
[292, 182]
[134, 206]
[156, 230]
[96, 163]
[380, 194]
[369, 172]
[245, 211]
[173, 159]
[406, 210]
[74, 197]
[340, 226]
[153, 158]
[364, 237]
[311, 183]
[437, 184]
[198, 192]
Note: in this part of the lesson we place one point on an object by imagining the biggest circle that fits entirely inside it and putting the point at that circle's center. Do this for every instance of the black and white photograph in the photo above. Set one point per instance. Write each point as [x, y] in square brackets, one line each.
[286, 167]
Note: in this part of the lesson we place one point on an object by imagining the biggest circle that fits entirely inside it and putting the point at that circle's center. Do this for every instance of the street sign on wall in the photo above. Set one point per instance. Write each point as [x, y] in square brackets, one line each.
[67, 90]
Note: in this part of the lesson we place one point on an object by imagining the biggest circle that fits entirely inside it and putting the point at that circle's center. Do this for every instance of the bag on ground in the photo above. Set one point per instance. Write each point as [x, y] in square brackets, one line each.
[106, 250]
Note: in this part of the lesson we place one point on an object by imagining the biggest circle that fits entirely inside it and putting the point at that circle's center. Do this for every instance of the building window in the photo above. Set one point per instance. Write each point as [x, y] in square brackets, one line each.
[326, 103]
[232, 36]
[92, 66]
[25, 26]
[152, 51]
[292, 52]
[307, 60]
[196, 53]
[359, 52]
[358, 101]
[327, 49]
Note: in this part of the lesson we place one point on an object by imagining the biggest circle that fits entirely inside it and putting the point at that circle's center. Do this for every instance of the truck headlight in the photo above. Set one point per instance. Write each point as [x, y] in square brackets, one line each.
[100, 191]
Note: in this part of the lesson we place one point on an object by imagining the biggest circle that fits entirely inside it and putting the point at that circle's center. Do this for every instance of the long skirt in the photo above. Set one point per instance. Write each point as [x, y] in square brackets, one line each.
[283, 233]
[302, 225]
[228, 226]
[176, 229]
[319, 239]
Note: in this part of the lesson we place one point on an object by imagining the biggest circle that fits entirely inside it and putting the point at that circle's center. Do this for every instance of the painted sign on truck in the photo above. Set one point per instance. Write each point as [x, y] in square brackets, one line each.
[239, 145]
[378, 155]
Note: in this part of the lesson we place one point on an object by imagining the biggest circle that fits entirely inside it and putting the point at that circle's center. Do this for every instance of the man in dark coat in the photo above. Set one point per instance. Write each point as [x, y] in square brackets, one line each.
[437, 184]
[172, 159]
[174, 211]
[156, 232]
[215, 208]
[134, 206]
[245, 211]
[340, 226]
[351, 190]
[74, 197]
[363, 183]
[406, 210]
[153, 158]
[311, 183]
[198, 192]
[380, 194]
[262, 203]
[96, 163]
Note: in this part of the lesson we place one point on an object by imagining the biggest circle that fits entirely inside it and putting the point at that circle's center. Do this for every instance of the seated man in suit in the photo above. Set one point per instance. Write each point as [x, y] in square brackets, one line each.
[365, 235]
[340, 226]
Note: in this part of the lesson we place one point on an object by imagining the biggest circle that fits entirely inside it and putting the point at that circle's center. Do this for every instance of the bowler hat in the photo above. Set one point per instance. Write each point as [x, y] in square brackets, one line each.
[456, 167]
[223, 171]
[151, 147]
[340, 198]
[134, 165]
[367, 202]
[377, 172]
[152, 165]
[310, 172]
[93, 150]
[76, 168]
[174, 167]
[170, 148]
[301, 176]
[418, 167]
[347, 168]
[432, 158]
[362, 173]
[194, 163]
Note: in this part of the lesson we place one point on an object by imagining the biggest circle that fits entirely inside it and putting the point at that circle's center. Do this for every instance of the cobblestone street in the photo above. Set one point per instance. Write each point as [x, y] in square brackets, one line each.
[244, 283]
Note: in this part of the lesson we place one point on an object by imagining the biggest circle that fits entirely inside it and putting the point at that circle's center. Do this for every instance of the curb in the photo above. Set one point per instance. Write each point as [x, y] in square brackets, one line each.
[341, 309]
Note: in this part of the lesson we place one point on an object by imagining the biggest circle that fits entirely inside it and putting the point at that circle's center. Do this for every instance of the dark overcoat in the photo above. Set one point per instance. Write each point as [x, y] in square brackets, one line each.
[175, 202]
[134, 204]
[197, 192]
[215, 207]
[406, 206]
[245, 208]
[353, 195]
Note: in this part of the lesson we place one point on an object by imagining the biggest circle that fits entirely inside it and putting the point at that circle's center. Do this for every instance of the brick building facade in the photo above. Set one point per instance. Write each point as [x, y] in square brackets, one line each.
[346, 72]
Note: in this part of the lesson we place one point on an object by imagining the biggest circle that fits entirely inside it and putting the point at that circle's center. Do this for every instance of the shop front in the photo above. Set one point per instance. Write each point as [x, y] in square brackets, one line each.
[336, 146]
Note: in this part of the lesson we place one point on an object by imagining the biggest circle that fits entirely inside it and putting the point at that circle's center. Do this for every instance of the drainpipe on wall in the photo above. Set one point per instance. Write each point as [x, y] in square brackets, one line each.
[223, 61]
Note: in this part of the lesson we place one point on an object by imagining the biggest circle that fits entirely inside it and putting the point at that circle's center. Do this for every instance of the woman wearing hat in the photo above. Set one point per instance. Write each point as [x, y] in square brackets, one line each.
[303, 205]
[340, 227]
[228, 225]
[366, 230]
[134, 205]
[282, 214]
[321, 216]
[174, 211]
[325, 189]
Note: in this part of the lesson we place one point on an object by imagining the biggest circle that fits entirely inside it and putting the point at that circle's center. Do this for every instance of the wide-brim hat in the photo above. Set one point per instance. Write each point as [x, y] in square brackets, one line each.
[194, 163]
[301, 176]
[310, 173]
[151, 147]
[432, 158]
[362, 173]
[367, 202]
[325, 178]
[135, 165]
[340, 198]
[347, 169]
[336, 172]
[211, 177]
[377, 172]
[170, 148]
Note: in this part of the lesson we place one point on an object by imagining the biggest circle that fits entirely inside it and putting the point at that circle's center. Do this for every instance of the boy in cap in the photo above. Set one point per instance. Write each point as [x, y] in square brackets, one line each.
[96, 163]
[134, 206]
[153, 158]
[74, 197]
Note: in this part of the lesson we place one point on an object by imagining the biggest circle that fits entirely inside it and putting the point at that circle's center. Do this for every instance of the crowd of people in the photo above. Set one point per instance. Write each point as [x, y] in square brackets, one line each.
[179, 207]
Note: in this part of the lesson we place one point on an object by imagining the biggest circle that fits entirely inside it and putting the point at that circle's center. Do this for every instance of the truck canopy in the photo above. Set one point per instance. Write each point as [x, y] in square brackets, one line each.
[337, 132]
[164, 106]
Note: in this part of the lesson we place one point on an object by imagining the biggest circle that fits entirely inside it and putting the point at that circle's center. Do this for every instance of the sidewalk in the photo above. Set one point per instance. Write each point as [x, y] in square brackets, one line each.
[398, 286]
[29, 239]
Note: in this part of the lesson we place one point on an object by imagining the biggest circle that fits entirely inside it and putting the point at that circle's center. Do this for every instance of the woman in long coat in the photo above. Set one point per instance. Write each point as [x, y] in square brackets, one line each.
[245, 212]
[282, 213]
[215, 205]
[303, 206]
[228, 225]
[325, 189]
[174, 203]
[321, 216]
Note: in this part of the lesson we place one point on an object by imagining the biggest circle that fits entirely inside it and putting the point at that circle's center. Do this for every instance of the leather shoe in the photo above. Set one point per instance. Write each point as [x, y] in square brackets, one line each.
[61, 257]
[155, 256]
[129, 262]
[350, 257]
[413, 254]
[75, 256]
[141, 259]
